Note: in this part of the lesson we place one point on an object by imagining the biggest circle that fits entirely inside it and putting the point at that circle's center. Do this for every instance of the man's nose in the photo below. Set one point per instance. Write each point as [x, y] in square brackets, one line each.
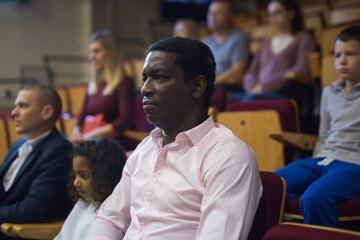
[14, 112]
[147, 88]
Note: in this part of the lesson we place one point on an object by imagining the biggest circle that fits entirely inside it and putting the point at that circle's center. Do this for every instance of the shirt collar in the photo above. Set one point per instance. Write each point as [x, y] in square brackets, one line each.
[339, 84]
[35, 141]
[194, 135]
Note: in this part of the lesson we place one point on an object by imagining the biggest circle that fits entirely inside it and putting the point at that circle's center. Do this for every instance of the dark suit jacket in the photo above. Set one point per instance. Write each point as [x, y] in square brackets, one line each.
[39, 192]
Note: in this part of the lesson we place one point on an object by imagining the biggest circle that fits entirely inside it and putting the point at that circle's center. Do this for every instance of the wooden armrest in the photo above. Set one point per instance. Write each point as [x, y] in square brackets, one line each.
[32, 230]
[314, 62]
[301, 78]
[6, 228]
[298, 140]
[136, 135]
[213, 111]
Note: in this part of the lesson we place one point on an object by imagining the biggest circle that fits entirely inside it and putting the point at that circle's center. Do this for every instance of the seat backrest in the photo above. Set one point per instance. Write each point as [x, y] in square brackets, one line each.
[4, 141]
[328, 71]
[77, 95]
[253, 127]
[298, 231]
[220, 99]
[271, 205]
[138, 67]
[328, 38]
[345, 14]
[68, 124]
[286, 108]
[64, 96]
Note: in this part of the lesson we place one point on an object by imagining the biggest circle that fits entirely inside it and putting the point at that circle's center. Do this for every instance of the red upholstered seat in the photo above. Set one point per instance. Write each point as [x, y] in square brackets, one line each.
[271, 205]
[220, 99]
[348, 210]
[297, 231]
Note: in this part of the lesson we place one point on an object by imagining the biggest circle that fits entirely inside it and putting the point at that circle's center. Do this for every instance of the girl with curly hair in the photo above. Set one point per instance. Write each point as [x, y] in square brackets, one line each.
[97, 168]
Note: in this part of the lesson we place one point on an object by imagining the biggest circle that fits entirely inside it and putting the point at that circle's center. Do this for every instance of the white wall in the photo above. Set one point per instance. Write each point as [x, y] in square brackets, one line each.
[29, 31]
[132, 20]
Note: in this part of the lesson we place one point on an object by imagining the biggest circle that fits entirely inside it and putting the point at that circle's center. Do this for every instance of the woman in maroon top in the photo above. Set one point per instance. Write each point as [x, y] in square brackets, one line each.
[281, 57]
[109, 92]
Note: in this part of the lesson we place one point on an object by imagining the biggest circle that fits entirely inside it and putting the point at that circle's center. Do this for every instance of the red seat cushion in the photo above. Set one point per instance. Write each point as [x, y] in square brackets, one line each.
[346, 208]
[269, 211]
[308, 232]
[219, 99]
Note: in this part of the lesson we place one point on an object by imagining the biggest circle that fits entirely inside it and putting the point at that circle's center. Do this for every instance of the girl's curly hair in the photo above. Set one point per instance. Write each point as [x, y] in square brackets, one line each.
[106, 159]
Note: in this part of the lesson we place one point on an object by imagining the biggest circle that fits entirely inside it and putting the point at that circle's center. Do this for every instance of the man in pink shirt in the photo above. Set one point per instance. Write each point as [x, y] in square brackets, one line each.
[191, 178]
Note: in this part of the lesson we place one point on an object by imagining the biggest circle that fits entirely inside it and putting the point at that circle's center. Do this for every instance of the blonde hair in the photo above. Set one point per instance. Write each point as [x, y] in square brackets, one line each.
[113, 72]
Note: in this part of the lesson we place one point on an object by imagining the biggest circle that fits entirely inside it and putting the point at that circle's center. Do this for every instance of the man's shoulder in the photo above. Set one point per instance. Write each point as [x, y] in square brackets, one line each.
[56, 140]
[209, 40]
[238, 35]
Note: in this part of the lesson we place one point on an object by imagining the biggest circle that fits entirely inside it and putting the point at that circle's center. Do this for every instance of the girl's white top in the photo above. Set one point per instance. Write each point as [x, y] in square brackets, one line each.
[78, 221]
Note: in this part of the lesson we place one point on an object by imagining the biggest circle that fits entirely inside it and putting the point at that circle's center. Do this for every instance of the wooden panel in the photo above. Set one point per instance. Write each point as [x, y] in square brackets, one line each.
[254, 127]
[328, 71]
[138, 66]
[315, 23]
[328, 38]
[345, 15]
[314, 62]
[77, 95]
[129, 68]
[4, 144]
[32, 231]
[262, 31]
[298, 140]
[68, 125]
[63, 93]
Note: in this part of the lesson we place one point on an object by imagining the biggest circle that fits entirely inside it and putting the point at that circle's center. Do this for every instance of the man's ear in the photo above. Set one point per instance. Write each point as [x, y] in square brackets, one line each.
[47, 112]
[198, 86]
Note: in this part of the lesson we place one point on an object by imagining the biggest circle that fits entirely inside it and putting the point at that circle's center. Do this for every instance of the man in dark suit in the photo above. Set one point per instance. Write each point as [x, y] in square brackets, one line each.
[33, 176]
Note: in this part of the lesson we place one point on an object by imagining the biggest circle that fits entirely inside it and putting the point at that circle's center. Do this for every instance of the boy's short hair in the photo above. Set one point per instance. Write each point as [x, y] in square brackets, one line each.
[350, 33]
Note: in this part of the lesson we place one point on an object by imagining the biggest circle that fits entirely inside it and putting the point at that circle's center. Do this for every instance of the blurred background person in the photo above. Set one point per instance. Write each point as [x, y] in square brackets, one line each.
[110, 94]
[229, 46]
[187, 28]
[281, 57]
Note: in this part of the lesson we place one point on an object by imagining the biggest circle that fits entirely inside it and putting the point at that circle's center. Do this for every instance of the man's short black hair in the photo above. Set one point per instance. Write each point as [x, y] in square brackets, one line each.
[350, 33]
[193, 57]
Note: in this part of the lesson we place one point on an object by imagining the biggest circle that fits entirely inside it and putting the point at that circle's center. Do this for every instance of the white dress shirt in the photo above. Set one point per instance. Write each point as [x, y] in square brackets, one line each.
[23, 152]
[205, 185]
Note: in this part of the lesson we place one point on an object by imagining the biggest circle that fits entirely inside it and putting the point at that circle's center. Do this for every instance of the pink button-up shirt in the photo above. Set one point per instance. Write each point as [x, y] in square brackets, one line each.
[205, 185]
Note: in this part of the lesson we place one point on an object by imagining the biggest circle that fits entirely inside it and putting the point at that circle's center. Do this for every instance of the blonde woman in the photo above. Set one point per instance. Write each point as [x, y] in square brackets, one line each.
[110, 94]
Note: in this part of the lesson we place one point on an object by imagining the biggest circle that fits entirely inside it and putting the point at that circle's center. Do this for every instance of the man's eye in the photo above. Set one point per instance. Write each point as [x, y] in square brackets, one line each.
[159, 77]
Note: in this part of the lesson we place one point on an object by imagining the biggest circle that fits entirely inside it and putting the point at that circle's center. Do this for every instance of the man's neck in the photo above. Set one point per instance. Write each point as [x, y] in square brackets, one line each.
[34, 135]
[220, 35]
[170, 135]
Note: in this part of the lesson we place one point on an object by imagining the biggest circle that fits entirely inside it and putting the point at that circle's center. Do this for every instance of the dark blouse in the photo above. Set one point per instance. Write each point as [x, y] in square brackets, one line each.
[118, 108]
